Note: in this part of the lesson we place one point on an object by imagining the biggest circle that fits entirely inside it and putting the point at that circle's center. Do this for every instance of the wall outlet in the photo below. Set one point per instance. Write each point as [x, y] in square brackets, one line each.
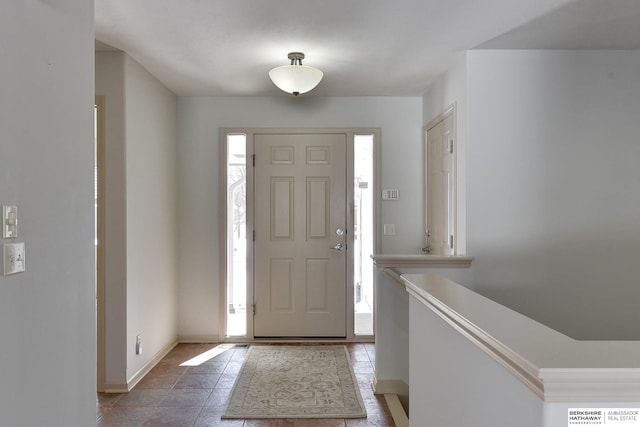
[139, 344]
[14, 258]
[389, 229]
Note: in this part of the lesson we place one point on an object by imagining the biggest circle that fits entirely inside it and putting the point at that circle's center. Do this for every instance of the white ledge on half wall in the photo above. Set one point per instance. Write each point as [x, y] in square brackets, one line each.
[420, 261]
[556, 367]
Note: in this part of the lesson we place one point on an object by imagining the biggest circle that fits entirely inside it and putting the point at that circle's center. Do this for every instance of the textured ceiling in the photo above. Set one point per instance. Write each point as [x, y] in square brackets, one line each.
[364, 47]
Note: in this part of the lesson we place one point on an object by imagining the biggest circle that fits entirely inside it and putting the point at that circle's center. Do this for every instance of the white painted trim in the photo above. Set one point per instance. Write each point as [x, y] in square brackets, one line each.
[398, 414]
[390, 386]
[452, 111]
[554, 366]
[360, 339]
[222, 227]
[116, 387]
[394, 275]
[222, 223]
[517, 366]
[135, 378]
[421, 261]
[198, 339]
[591, 385]
[100, 249]
[377, 187]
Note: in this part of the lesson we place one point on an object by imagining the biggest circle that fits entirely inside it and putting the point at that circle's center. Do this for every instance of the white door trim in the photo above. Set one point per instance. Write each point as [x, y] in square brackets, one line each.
[100, 257]
[451, 112]
[222, 223]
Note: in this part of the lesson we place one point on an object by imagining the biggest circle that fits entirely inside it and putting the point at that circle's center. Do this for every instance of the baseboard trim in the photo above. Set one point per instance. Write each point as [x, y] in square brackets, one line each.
[398, 414]
[116, 387]
[198, 339]
[397, 387]
[135, 379]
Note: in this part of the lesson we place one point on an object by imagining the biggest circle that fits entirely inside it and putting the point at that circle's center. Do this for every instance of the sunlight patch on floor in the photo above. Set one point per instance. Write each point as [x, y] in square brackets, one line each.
[207, 355]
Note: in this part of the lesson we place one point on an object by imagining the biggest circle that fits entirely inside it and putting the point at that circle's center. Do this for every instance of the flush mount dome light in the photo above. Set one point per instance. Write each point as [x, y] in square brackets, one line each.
[295, 78]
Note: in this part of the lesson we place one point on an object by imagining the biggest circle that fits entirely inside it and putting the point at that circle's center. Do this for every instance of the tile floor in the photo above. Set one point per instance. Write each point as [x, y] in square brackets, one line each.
[195, 396]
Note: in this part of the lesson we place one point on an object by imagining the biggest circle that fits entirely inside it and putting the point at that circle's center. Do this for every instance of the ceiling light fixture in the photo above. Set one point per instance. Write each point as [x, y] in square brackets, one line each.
[295, 78]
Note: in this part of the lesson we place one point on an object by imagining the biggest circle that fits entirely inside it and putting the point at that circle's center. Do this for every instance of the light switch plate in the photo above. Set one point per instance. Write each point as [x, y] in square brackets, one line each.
[9, 222]
[14, 258]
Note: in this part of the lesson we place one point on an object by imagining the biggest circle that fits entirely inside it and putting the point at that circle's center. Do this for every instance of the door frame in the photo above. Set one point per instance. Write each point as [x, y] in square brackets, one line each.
[222, 204]
[450, 111]
[100, 253]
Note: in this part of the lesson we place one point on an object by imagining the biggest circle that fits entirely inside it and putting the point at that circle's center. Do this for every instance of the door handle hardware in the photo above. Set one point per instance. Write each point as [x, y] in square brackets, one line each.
[337, 247]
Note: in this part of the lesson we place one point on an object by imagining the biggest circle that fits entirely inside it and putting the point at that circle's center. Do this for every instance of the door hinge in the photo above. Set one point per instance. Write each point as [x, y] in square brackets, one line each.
[253, 308]
[451, 146]
[253, 160]
[451, 241]
[254, 235]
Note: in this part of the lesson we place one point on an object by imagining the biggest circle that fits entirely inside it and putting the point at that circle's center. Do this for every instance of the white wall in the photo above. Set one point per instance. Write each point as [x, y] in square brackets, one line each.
[392, 329]
[200, 118]
[110, 84]
[553, 210]
[454, 383]
[141, 218]
[549, 139]
[553, 221]
[152, 219]
[47, 314]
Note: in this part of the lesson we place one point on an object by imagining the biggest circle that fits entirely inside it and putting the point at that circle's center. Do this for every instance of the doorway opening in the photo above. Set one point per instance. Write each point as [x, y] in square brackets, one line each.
[237, 152]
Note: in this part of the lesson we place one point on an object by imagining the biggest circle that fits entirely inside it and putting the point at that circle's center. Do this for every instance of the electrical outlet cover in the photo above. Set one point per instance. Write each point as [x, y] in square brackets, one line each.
[139, 344]
[389, 229]
[14, 258]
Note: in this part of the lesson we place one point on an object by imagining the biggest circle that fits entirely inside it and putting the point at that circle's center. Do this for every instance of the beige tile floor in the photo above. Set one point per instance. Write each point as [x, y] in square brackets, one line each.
[195, 396]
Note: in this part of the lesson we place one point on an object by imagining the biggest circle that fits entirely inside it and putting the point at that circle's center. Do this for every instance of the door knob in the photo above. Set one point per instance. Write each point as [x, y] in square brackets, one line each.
[337, 247]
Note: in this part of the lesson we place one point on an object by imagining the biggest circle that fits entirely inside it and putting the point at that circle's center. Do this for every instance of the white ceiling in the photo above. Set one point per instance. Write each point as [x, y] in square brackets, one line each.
[364, 47]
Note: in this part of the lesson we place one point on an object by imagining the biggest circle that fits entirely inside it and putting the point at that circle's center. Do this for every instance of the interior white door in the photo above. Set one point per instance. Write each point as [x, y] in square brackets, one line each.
[300, 235]
[440, 187]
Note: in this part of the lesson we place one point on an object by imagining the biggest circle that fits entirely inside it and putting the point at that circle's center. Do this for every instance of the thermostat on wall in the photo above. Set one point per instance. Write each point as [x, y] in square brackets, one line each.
[390, 195]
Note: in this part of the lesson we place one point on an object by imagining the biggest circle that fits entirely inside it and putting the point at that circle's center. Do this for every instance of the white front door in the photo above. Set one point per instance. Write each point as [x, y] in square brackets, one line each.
[300, 273]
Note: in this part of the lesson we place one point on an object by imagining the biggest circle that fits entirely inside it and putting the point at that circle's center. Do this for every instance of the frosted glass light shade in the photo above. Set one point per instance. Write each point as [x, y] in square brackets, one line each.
[295, 79]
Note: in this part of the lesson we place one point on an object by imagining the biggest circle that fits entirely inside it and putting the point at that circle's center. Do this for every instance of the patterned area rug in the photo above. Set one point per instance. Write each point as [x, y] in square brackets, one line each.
[296, 382]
